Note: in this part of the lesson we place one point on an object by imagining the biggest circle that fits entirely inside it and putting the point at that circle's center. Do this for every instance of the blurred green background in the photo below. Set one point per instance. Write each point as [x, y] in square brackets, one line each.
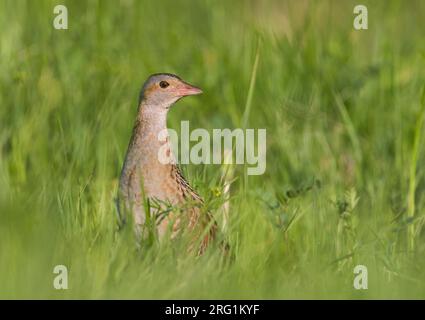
[344, 183]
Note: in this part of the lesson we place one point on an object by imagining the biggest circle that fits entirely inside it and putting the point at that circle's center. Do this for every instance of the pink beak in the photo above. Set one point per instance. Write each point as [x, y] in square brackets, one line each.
[188, 90]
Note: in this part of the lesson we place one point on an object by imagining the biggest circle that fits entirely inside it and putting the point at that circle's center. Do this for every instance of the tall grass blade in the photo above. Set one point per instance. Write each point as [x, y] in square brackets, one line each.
[412, 174]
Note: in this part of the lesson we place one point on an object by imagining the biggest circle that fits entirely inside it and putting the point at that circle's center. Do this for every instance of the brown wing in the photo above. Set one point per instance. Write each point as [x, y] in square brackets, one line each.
[199, 221]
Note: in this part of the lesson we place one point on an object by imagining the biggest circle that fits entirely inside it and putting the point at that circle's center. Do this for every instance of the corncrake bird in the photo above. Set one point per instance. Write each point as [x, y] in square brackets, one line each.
[148, 183]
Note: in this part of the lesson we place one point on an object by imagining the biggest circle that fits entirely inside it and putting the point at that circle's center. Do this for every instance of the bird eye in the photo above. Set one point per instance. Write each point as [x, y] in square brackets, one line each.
[164, 84]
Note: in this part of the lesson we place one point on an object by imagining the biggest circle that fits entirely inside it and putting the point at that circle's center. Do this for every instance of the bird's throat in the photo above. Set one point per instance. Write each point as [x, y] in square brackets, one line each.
[149, 133]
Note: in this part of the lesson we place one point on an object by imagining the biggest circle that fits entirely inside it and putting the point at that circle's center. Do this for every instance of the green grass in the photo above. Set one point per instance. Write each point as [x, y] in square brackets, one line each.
[345, 157]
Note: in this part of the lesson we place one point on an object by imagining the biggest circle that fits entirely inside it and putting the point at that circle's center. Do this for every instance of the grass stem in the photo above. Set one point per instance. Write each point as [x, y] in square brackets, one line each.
[412, 175]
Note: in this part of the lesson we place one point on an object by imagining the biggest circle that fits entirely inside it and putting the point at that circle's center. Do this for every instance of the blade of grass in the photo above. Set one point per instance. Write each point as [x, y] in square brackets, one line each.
[351, 130]
[412, 174]
[248, 104]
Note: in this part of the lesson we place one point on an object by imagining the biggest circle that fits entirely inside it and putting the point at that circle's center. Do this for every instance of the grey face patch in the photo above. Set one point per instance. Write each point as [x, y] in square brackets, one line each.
[156, 78]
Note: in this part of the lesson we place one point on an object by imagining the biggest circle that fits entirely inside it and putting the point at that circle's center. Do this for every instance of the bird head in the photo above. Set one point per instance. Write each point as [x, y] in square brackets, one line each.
[164, 89]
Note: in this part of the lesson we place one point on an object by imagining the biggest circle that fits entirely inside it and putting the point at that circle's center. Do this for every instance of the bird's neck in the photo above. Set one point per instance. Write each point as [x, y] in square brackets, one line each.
[153, 119]
[146, 141]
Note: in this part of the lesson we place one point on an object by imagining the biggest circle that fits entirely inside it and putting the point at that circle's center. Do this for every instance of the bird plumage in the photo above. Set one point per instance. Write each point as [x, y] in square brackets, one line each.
[145, 177]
